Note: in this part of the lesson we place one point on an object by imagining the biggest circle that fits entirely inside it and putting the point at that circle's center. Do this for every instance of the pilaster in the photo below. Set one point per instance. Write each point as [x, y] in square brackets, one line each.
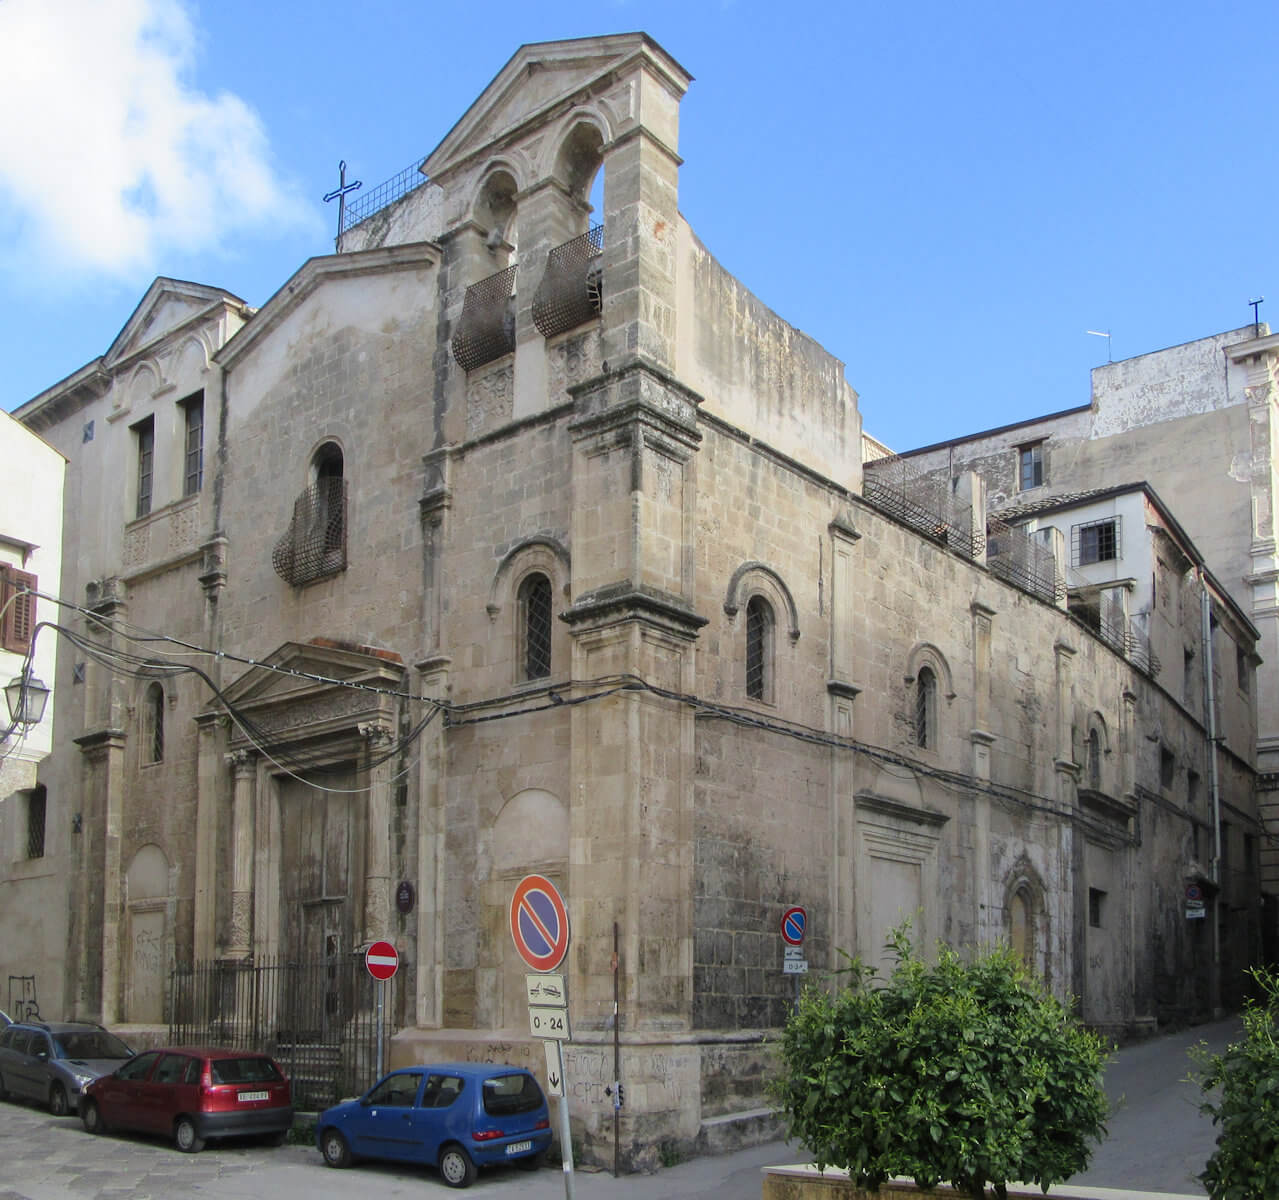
[243, 769]
[377, 875]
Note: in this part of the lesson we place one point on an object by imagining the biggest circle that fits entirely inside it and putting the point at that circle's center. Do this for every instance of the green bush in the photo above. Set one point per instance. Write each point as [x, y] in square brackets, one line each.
[1245, 1165]
[962, 1072]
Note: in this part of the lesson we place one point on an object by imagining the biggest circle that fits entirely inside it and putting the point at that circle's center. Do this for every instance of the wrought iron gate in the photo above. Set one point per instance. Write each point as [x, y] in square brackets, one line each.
[317, 1019]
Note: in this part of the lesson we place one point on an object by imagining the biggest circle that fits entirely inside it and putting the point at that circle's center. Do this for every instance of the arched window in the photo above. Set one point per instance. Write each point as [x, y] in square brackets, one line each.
[1021, 926]
[534, 609]
[330, 497]
[153, 746]
[925, 709]
[1094, 760]
[759, 648]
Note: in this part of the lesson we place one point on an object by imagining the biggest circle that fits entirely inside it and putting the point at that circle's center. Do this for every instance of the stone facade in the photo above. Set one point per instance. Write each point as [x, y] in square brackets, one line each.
[609, 603]
[1197, 422]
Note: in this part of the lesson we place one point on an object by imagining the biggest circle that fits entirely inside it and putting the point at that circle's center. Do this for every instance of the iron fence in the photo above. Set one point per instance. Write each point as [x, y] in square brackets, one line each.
[317, 1019]
[925, 503]
[385, 194]
[1020, 559]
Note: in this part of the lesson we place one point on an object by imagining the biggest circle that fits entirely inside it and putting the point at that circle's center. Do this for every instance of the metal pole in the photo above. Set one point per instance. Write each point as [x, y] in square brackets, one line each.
[381, 985]
[617, 1061]
[566, 1136]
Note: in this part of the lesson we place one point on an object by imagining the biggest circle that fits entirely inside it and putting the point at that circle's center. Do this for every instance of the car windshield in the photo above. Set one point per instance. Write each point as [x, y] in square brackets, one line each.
[243, 1070]
[94, 1044]
[505, 1095]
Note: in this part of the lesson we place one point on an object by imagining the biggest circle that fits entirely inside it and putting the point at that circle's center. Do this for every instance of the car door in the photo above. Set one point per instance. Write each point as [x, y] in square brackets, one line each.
[36, 1066]
[17, 1069]
[121, 1096]
[442, 1113]
[165, 1093]
[383, 1126]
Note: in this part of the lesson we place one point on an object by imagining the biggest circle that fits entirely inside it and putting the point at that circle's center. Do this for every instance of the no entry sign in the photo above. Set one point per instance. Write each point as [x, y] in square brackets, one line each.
[539, 923]
[382, 960]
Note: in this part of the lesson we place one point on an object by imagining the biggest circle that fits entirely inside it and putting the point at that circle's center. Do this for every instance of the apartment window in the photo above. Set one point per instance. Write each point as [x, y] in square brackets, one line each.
[1096, 907]
[144, 433]
[154, 721]
[1030, 459]
[1192, 789]
[759, 648]
[1095, 541]
[17, 609]
[1243, 669]
[1167, 767]
[37, 801]
[925, 709]
[535, 626]
[193, 444]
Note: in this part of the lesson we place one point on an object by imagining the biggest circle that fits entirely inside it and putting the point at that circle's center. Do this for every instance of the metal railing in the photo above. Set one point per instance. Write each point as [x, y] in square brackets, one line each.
[315, 544]
[924, 503]
[1017, 557]
[486, 328]
[570, 292]
[385, 194]
[317, 1019]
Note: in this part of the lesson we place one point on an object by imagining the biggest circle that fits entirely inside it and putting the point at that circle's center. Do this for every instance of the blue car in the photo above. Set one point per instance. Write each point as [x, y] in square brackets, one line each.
[454, 1116]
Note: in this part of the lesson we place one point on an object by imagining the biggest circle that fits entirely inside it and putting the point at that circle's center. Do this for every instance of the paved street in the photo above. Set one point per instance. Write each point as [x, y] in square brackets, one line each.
[1158, 1141]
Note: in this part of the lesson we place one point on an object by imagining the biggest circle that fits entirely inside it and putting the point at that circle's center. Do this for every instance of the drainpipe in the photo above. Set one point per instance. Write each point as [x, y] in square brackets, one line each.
[1214, 786]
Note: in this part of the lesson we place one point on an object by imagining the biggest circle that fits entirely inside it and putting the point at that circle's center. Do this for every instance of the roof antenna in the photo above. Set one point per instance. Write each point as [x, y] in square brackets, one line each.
[1106, 334]
[1256, 323]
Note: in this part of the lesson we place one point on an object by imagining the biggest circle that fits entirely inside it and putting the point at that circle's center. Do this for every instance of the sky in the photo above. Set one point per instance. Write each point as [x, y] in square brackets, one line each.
[945, 196]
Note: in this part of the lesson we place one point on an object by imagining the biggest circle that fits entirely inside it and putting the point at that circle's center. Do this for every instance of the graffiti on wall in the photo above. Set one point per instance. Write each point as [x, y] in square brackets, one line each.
[23, 1004]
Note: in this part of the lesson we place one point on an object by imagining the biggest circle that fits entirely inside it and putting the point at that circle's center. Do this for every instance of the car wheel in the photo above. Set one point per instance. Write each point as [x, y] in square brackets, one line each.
[186, 1138]
[58, 1104]
[4, 1091]
[91, 1115]
[456, 1167]
[335, 1150]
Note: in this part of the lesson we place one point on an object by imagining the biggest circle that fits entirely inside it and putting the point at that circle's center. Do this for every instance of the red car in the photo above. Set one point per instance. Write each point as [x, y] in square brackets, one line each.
[191, 1095]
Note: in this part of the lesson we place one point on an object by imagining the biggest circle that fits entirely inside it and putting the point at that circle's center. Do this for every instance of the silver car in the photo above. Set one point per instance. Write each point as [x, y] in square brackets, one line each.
[52, 1062]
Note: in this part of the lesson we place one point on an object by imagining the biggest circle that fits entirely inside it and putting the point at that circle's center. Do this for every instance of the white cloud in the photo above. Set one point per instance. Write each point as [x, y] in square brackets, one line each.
[110, 157]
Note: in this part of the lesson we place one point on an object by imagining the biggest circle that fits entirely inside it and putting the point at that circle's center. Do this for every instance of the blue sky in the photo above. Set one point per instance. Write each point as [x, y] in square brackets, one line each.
[945, 196]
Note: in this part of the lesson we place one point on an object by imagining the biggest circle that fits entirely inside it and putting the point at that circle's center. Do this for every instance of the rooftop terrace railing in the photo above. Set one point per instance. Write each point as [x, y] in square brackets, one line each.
[384, 195]
[924, 503]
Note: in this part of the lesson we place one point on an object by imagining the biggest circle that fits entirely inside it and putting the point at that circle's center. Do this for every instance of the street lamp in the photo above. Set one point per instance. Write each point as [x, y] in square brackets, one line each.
[26, 697]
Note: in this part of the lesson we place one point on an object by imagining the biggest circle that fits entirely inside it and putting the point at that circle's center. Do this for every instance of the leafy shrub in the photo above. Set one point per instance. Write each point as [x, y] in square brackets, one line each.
[1245, 1165]
[962, 1072]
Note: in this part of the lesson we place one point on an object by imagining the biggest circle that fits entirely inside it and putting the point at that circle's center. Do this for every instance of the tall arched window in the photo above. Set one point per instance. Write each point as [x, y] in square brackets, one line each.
[330, 494]
[1094, 760]
[925, 709]
[535, 626]
[759, 648]
[154, 722]
[1021, 926]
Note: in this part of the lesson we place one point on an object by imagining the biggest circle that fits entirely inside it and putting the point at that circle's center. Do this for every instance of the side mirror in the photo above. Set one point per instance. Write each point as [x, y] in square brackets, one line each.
[43, 1054]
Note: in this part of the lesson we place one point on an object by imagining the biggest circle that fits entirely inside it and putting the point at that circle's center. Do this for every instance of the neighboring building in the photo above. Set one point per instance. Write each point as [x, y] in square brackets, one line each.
[33, 848]
[1198, 422]
[526, 546]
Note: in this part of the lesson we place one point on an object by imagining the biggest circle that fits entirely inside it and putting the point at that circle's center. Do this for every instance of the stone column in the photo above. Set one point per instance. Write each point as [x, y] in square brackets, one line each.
[987, 924]
[432, 874]
[244, 770]
[377, 872]
[210, 777]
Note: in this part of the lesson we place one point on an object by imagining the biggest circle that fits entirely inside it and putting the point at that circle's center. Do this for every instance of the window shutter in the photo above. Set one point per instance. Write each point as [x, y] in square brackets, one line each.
[19, 621]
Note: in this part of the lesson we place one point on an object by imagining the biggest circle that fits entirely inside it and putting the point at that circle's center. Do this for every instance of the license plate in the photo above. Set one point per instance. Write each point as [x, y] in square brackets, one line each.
[245, 1097]
[519, 1147]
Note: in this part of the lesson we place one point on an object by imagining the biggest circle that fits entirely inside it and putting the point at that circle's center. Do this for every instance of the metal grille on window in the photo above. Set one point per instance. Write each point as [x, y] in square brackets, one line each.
[486, 328]
[155, 718]
[570, 292]
[758, 625]
[1095, 541]
[925, 687]
[194, 474]
[536, 608]
[315, 544]
[37, 800]
[1094, 760]
[146, 464]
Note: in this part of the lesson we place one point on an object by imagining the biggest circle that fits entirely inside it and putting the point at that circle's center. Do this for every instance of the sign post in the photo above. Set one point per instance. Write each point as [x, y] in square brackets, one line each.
[539, 929]
[794, 926]
[381, 960]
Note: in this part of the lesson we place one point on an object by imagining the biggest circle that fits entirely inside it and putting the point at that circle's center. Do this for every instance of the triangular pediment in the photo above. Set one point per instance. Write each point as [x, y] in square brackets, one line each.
[538, 78]
[306, 692]
[169, 305]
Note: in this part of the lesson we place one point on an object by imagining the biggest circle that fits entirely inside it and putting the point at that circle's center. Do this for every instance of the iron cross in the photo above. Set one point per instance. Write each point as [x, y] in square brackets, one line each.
[340, 193]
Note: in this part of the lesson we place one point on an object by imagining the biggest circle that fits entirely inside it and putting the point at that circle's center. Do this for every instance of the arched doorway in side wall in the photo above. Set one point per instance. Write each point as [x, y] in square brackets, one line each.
[147, 949]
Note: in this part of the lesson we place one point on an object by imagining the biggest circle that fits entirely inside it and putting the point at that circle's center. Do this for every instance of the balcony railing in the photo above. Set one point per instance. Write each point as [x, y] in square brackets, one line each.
[315, 544]
[486, 328]
[1022, 560]
[925, 503]
[570, 293]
